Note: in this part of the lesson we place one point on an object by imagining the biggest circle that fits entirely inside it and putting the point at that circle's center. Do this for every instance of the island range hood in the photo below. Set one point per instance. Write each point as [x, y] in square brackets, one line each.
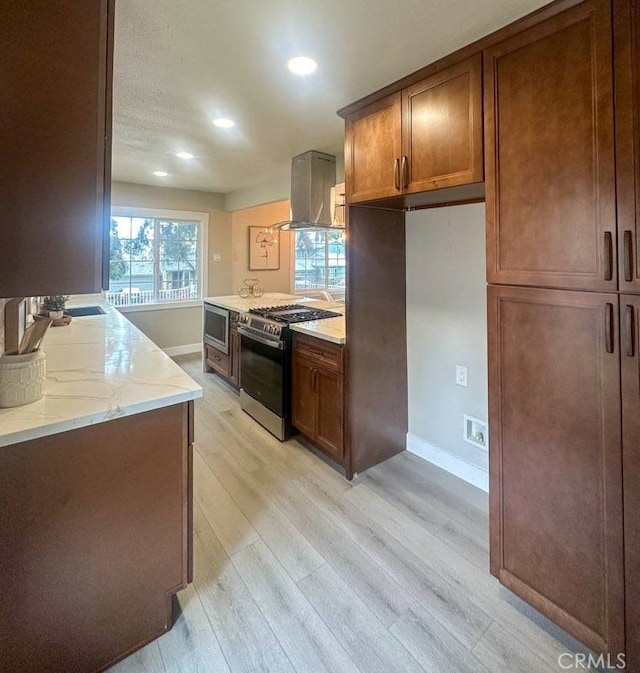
[313, 176]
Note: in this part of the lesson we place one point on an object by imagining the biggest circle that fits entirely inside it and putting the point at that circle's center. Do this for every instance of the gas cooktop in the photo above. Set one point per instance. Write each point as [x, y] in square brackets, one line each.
[292, 313]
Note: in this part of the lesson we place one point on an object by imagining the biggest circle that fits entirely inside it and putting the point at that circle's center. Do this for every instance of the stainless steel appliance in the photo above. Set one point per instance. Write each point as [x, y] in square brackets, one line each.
[313, 179]
[265, 354]
[216, 327]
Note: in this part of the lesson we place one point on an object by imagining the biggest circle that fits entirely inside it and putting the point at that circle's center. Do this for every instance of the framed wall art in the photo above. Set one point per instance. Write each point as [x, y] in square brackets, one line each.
[264, 249]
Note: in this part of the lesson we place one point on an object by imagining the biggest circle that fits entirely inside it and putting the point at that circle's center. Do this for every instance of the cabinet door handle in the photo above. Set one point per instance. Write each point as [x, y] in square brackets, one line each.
[628, 255]
[608, 256]
[405, 171]
[608, 327]
[396, 173]
[630, 329]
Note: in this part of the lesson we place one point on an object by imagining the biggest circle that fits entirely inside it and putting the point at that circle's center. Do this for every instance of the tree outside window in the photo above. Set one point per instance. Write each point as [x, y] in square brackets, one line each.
[320, 260]
[153, 260]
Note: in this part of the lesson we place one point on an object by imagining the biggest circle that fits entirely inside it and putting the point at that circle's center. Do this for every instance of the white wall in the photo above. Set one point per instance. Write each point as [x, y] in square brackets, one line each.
[170, 328]
[446, 324]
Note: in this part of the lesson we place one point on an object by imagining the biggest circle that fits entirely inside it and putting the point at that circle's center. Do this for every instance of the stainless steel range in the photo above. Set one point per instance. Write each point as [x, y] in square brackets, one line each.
[265, 355]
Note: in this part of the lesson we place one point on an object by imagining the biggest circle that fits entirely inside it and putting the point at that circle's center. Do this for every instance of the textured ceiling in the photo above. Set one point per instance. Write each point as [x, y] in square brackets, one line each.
[180, 63]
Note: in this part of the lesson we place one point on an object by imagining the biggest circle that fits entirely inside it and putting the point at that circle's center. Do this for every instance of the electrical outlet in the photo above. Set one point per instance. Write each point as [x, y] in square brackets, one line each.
[461, 376]
[217, 257]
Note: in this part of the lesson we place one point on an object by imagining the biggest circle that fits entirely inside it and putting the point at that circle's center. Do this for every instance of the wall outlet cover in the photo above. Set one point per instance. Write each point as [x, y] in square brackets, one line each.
[461, 376]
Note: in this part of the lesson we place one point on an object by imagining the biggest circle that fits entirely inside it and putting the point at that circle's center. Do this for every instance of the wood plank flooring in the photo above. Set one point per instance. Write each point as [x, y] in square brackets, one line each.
[300, 571]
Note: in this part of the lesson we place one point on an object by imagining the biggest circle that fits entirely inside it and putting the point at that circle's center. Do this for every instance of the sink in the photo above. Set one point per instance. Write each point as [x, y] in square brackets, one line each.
[82, 311]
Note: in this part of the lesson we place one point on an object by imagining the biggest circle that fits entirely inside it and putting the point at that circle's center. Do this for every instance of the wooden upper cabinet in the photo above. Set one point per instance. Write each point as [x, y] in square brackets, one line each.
[549, 153]
[627, 73]
[556, 457]
[442, 129]
[426, 137]
[55, 135]
[372, 150]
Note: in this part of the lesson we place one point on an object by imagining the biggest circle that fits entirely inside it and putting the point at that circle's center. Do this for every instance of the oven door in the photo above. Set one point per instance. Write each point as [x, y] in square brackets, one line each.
[264, 367]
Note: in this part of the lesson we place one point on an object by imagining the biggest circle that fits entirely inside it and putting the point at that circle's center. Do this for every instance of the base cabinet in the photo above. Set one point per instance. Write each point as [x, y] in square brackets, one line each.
[318, 394]
[96, 530]
[227, 364]
[556, 457]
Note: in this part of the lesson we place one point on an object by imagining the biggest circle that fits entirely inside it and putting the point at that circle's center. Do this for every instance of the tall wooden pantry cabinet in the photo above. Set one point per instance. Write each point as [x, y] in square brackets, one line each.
[554, 375]
[561, 182]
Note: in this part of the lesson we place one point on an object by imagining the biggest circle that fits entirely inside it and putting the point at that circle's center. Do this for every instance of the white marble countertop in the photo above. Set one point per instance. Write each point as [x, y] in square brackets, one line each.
[329, 329]
[98, 368]
[234, 302]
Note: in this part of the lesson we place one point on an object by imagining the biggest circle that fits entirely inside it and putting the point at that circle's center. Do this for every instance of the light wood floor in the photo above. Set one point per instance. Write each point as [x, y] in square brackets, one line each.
[297, 570]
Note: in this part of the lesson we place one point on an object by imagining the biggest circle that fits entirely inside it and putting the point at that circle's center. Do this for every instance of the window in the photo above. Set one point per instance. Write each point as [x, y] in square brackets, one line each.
[319, 260]
[156, 257]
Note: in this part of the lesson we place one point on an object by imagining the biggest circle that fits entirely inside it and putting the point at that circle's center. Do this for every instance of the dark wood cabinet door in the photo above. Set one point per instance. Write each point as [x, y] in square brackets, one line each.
[303, 408]
[96, 531]
[627, 73]
[218, 361]
[372, 150]
[330, 413]
[442, 129]
[55, 137]
[555, 459]
[550, 180]
[630, 343]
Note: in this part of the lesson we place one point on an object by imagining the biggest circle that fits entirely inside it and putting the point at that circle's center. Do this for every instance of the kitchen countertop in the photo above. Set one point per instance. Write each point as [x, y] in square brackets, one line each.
[98, 368]
[329, 329]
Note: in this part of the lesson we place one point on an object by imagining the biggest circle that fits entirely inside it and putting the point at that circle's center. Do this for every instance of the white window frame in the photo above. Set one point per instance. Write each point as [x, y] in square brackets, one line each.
[292, 275]
[203, 254]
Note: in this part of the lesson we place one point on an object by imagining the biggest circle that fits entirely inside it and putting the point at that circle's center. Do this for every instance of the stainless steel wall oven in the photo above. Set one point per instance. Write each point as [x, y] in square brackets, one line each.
[216, 327]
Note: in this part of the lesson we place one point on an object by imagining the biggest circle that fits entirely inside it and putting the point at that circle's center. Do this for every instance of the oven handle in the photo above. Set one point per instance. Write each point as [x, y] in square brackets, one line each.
[267, 342]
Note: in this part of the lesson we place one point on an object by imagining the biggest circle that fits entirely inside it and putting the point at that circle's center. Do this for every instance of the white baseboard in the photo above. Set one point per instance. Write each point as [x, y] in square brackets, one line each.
[183, 350]
[443, 459]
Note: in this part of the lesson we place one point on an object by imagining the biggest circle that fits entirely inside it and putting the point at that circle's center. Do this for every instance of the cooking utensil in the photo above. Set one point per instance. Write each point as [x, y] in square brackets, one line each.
[33, 335]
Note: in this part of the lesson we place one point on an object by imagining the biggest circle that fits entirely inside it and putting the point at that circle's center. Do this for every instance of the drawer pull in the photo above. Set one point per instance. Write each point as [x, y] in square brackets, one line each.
[628, 256]
[608, 327]
[396, 174]
[630, 329]
[608, 256]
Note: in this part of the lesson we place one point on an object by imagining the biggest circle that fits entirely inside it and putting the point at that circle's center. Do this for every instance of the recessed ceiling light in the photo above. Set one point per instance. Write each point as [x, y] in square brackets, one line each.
[302, 65]
[224, 123]
[161, 174]
[184, 155]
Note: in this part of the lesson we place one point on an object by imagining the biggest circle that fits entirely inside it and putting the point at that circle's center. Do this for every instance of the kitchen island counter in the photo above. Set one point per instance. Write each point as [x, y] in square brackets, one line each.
[97, 485]
[98, 368]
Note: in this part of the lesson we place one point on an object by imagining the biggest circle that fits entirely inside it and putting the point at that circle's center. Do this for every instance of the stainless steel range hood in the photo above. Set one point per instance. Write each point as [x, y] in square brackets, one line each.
[313, 176]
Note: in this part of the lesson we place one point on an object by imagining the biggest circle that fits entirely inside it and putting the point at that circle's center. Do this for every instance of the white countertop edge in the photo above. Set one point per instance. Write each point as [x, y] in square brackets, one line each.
[67, 424]
[317, 332]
